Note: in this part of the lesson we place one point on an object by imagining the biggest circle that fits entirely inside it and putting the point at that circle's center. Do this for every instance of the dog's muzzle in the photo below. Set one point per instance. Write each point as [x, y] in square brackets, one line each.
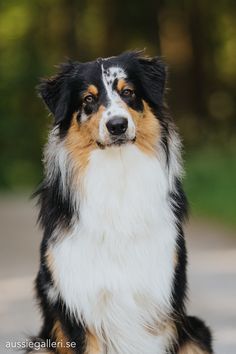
[118, 131]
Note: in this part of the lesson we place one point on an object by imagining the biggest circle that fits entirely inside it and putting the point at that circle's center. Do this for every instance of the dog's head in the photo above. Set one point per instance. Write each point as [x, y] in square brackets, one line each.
[108, 102]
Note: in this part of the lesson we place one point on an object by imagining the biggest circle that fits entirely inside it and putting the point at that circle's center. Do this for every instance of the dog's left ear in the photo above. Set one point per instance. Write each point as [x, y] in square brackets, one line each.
[56, 93]
[153, 74]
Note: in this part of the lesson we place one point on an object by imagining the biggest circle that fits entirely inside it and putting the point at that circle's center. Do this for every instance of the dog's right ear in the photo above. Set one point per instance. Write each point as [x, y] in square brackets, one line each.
[56, 93]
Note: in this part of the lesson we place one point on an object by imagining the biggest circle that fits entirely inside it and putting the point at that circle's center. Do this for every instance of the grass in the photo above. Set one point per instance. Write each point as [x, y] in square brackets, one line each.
[210, 184]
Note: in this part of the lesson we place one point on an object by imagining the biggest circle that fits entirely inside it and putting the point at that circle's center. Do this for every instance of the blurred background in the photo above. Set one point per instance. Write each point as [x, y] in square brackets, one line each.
[197, 39]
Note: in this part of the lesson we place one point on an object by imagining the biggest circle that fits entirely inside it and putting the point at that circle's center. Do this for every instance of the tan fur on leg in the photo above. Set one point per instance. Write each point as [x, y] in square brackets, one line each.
[191, 348]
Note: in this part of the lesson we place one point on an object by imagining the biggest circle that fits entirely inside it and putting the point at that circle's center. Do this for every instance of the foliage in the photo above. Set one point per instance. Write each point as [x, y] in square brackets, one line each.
[210, 183]
[196, 39]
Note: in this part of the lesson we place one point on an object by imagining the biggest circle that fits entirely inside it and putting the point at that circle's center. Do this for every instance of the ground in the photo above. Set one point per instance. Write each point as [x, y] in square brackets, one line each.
[211, 272]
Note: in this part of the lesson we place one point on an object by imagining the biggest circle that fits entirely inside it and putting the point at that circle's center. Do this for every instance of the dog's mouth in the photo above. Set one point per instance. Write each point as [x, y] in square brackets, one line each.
[116, 142]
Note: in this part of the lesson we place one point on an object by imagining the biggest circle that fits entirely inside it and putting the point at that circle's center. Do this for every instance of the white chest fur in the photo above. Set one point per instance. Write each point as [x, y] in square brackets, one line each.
[115, 267]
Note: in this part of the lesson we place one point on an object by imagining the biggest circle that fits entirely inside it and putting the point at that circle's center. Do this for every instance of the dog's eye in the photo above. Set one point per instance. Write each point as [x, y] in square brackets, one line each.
[127, 92]
[89, 99]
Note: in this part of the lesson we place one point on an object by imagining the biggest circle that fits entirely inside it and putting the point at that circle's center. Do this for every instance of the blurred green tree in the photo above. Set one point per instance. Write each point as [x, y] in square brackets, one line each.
[196, 39]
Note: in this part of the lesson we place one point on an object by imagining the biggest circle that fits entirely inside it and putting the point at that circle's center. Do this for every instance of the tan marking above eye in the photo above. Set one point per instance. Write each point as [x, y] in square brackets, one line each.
[121, 84]
[125, 89]
[91, 90]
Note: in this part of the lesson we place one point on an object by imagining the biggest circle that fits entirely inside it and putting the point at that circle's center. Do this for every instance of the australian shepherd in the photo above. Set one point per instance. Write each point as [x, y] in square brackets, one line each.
[112, 277]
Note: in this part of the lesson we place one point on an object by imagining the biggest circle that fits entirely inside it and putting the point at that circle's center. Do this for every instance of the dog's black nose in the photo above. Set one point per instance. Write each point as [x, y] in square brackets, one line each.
[117, 125]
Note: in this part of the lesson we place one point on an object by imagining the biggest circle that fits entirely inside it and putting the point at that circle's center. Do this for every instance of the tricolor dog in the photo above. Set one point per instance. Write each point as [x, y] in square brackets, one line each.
[112, 277]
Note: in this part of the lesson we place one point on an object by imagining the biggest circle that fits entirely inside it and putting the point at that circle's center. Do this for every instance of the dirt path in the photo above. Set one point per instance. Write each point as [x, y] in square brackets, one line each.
[212, 276]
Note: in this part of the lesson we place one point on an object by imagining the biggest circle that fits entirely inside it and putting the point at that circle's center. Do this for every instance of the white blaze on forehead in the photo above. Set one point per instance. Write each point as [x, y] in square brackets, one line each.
[115, 105]
[109, 75]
